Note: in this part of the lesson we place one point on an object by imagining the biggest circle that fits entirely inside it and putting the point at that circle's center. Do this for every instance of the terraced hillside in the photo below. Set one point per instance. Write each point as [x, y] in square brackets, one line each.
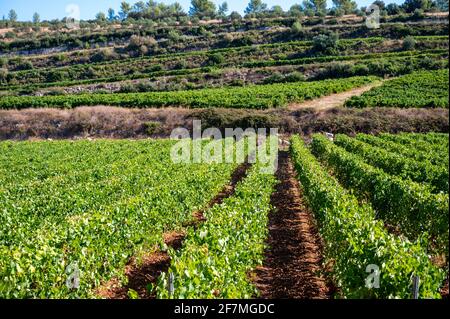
[231, 63]
[158, 153]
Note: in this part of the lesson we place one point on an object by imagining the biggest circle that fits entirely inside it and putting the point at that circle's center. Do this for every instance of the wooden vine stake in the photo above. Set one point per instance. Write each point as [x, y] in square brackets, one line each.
[415, 287]
[171, 285]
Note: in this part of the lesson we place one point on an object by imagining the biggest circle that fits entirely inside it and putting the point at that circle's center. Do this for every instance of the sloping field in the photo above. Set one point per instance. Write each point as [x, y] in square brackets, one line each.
[94, 204]
[364, 214]
[421, 89]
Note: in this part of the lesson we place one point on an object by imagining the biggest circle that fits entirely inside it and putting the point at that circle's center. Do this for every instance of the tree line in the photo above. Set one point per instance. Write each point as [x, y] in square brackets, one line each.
[206, 9]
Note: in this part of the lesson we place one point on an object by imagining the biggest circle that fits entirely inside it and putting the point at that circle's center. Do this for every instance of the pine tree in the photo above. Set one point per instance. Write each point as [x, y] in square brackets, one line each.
[125, 9]
[255, 7]
[111, 14]
[223, 9]
[202, 9]
[12, 16]
[36, 18]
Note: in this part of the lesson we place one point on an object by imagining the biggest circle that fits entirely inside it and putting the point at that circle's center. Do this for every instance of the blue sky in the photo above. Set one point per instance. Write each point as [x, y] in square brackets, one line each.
[52, 9]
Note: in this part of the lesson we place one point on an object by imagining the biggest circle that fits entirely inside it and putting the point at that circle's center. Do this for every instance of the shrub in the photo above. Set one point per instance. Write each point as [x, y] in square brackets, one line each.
[181, 65]
[56, 91]
[325, 44]
[296, 27]
[409, 43]
[336, 70]
[90, 73]
[225, 118]
[280, 78]
[103, 55]
[56, 76]
[294, 77]
[151, 127]
[10, 35]
[128, 88]
[3, 75]
[3, 62]
[333, 21]
[243, 41]
[237, 82]
[418, 14]
[274, 78]
[155, 68]
[77, 43]
[215, 59]
[174, 36]
[136, 43]
[20, 64]
[144, 87]
[257, 121]
[361, 69]
[59, 57]
[143, 50]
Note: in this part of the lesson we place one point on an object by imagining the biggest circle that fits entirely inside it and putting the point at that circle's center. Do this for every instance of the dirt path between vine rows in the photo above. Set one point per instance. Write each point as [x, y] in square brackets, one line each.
[292, 266]
[333, 100]
[141, 276]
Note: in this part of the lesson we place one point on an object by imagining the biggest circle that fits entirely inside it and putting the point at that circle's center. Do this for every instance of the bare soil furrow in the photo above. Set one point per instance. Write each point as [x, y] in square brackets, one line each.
[292, 268]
